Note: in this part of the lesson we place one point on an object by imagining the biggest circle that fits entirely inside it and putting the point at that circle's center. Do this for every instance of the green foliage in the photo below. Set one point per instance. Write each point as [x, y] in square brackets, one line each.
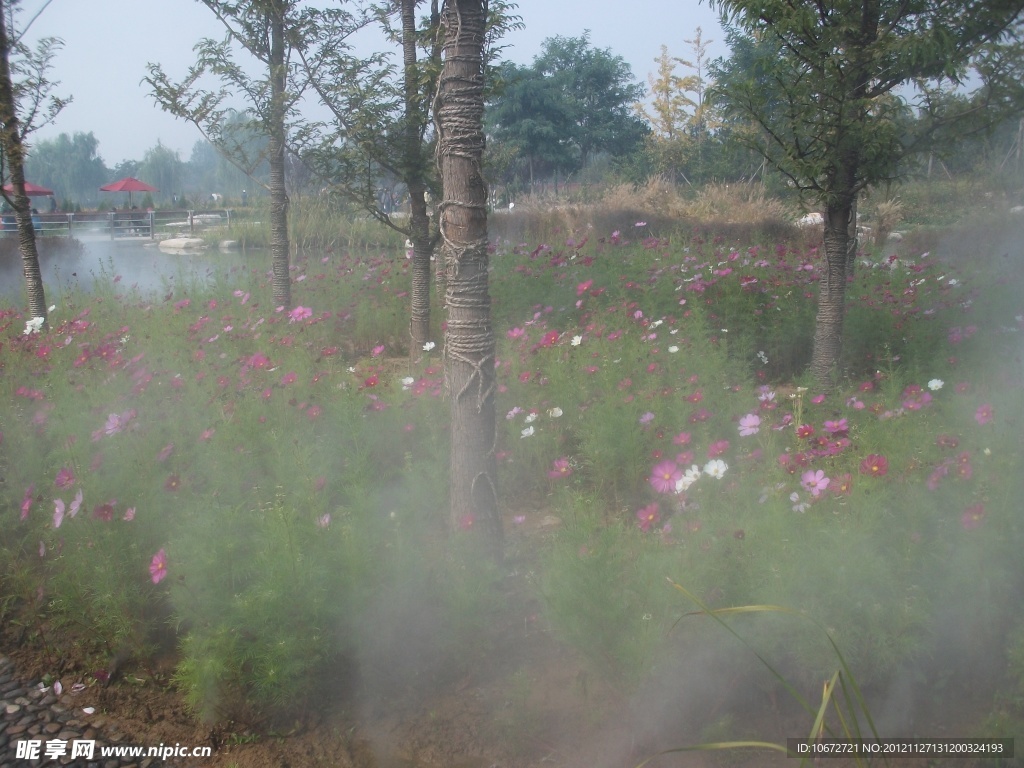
[573, 102]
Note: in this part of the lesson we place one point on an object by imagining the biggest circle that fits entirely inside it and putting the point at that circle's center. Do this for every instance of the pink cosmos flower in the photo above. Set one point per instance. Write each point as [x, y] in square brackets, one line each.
[560, 468]
[324, 521]
[76, 504]
[648, 516]
[549, 338]
[717, 448]
[683, 438]
[583, 287]
[129, 514]
[804, 430]
[874, 465]
[664, 477]
[165, 452]
[26, 501]
[65, 478]
[289, 378]
[104, 512]
[158, 566]
[299, 313]
[836, 427]
[58, 512]
[515, 333]
[750, 425]
[377, 351]
[972, 516]
[818, 399]
[814, 482]
[984, 414]
[647, 418]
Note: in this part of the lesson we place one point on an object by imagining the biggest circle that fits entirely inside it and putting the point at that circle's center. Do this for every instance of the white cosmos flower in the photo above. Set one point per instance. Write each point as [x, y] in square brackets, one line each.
[576, 341]
[555, 412]
[530, 418]
[34, 325]
[716, 468]
[689, 477]
[526, 432]
[673, 349]
[935, 385]
[429, 346]
[407, 382]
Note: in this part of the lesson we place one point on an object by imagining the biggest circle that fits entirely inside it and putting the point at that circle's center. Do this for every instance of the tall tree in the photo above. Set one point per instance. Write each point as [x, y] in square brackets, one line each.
[669, 115]
[269, 31]
[832, 66]
[571, 103]
[382, 133]
[26, 103]
[162, 168]
[70, 166]
[469, 349]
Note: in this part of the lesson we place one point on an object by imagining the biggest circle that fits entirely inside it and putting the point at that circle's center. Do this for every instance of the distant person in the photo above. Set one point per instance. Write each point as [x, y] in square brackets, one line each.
[245, 198]
[53, 203]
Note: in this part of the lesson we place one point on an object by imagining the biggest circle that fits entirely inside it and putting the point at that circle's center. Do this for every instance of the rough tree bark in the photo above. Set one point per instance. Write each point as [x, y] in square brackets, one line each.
[14, 151]
[469, 340]
[419, 221]
[276, 140]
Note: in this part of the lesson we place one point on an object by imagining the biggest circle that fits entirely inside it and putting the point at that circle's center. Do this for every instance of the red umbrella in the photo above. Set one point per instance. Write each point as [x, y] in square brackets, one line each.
[128, 184]
[32, 190]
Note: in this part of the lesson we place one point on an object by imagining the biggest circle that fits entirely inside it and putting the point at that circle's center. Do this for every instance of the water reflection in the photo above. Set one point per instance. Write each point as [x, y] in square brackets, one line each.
[125, 265]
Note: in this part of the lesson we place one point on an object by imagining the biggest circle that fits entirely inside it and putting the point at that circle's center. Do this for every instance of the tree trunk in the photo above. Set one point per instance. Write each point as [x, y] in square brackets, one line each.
[419, 222]
[279, 244]
[828, 331]
[852, 240]
[15, 153]
[469, 340]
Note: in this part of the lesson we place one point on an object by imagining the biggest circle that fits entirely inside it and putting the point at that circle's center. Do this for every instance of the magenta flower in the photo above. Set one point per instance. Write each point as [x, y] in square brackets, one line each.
[664, 477]
[717, 448]
[560, 468]
[299, 313]
[158, 566]
[836, 427]
[648, 516]
[65, 478]
[874, 465]
[972, 516]
[750, 425]
[984, 414]
[377, 351]
[26, 501]
[104, 512]
[289, 378]
[814, 482]
[683, 438]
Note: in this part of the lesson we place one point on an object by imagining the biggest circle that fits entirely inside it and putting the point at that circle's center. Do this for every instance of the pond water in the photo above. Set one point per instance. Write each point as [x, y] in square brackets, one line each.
[136, 265]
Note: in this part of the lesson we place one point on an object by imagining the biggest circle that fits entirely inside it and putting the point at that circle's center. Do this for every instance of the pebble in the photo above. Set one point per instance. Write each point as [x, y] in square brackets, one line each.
[27, 712]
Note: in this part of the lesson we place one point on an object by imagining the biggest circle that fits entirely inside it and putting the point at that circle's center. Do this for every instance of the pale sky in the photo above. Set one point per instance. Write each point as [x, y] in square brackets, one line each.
[107, 44]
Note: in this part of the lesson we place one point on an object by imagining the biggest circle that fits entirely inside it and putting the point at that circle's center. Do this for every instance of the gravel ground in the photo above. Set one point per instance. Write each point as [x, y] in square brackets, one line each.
[31, 715]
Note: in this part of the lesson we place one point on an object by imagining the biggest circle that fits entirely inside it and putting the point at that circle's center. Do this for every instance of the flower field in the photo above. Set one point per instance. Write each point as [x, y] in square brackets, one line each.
[264, 492]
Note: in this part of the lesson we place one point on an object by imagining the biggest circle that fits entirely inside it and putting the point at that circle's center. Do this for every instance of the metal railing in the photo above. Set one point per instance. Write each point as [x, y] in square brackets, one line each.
[146, 225]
